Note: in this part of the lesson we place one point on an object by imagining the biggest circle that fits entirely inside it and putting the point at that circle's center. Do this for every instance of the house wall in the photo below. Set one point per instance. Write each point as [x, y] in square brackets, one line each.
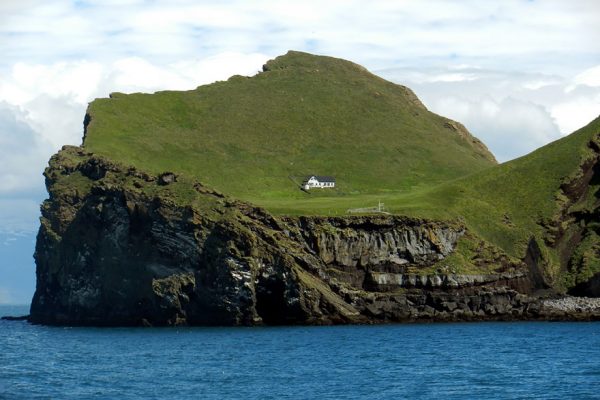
[313, 183]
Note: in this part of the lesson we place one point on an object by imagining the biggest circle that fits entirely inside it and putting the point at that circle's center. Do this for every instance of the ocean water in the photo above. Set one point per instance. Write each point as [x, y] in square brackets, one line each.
[527, 360]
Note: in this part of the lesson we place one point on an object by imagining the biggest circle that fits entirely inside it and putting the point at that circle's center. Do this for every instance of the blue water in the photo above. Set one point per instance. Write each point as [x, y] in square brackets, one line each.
[449, 361]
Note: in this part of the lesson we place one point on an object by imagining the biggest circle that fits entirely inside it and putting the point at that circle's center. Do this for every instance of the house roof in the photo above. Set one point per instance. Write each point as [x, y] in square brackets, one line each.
[321, 178]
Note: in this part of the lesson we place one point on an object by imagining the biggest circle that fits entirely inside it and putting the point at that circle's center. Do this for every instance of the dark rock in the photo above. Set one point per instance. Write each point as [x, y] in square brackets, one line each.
[167, 178]
[589, 288]
[12, 318]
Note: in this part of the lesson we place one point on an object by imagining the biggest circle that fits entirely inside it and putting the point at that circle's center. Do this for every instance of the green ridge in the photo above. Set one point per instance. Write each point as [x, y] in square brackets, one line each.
[256, 138]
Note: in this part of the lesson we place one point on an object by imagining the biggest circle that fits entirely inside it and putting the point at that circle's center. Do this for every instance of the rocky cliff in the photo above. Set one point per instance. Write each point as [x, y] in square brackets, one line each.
[118, 246]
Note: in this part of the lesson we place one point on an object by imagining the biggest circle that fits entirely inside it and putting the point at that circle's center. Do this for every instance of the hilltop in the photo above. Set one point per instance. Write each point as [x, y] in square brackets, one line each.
[255, 138]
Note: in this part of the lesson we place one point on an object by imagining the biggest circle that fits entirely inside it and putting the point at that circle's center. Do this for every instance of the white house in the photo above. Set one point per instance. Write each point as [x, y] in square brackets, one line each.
[315, 181]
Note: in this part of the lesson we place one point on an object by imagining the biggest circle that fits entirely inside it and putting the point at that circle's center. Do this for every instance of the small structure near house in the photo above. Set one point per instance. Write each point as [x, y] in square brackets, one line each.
[368, 210]
[317, 181]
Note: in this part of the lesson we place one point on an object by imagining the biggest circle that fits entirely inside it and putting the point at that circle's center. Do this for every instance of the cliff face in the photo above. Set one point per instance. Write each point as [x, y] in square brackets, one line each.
[118, 246]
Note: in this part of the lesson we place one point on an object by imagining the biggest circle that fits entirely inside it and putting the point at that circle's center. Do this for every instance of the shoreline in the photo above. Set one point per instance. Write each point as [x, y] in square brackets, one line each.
[561, 309]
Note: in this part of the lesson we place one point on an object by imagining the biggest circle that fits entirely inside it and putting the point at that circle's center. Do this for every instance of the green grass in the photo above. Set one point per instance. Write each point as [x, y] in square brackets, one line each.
[305, 115]
[586, 261]
[505, 204]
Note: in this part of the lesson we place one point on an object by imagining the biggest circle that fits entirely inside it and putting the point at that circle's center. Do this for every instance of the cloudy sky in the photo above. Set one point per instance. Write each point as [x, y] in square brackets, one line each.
[517, 73]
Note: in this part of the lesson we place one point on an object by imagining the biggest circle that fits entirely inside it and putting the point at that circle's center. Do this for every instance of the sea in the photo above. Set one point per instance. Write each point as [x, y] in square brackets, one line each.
[499, 360]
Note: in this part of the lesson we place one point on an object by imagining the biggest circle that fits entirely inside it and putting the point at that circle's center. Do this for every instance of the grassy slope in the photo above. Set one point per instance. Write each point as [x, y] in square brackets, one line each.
[305, 115]
[505, 204]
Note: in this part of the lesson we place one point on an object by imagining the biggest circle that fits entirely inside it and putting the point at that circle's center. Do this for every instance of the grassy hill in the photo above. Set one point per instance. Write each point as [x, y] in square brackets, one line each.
[524, 192]
[551, 194]
[256, 138]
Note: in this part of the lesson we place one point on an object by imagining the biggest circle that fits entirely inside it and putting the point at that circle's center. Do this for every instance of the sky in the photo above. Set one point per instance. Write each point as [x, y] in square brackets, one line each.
[519, 74]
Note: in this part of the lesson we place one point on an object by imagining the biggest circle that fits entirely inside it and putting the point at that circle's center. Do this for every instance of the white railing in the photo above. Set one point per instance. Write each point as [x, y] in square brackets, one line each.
[380, 208]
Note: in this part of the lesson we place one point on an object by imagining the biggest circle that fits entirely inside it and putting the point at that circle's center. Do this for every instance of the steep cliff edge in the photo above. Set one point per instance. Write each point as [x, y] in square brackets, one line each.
[118, 246]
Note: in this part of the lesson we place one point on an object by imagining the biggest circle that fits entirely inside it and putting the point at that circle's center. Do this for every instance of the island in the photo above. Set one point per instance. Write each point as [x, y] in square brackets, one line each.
[188, 208]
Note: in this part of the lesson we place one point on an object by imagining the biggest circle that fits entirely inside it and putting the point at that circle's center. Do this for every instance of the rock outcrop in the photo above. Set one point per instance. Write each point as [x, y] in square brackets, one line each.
[573, 230]
[118, 246]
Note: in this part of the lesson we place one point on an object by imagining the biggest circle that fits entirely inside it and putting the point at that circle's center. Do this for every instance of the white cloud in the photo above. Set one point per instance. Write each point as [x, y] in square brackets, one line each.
[137, 74]
[452, 77]
[576, 113]
[381, 33]
[75, 79]
[540, 83]
[22, 151]
[509, 127]
[589, 77]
